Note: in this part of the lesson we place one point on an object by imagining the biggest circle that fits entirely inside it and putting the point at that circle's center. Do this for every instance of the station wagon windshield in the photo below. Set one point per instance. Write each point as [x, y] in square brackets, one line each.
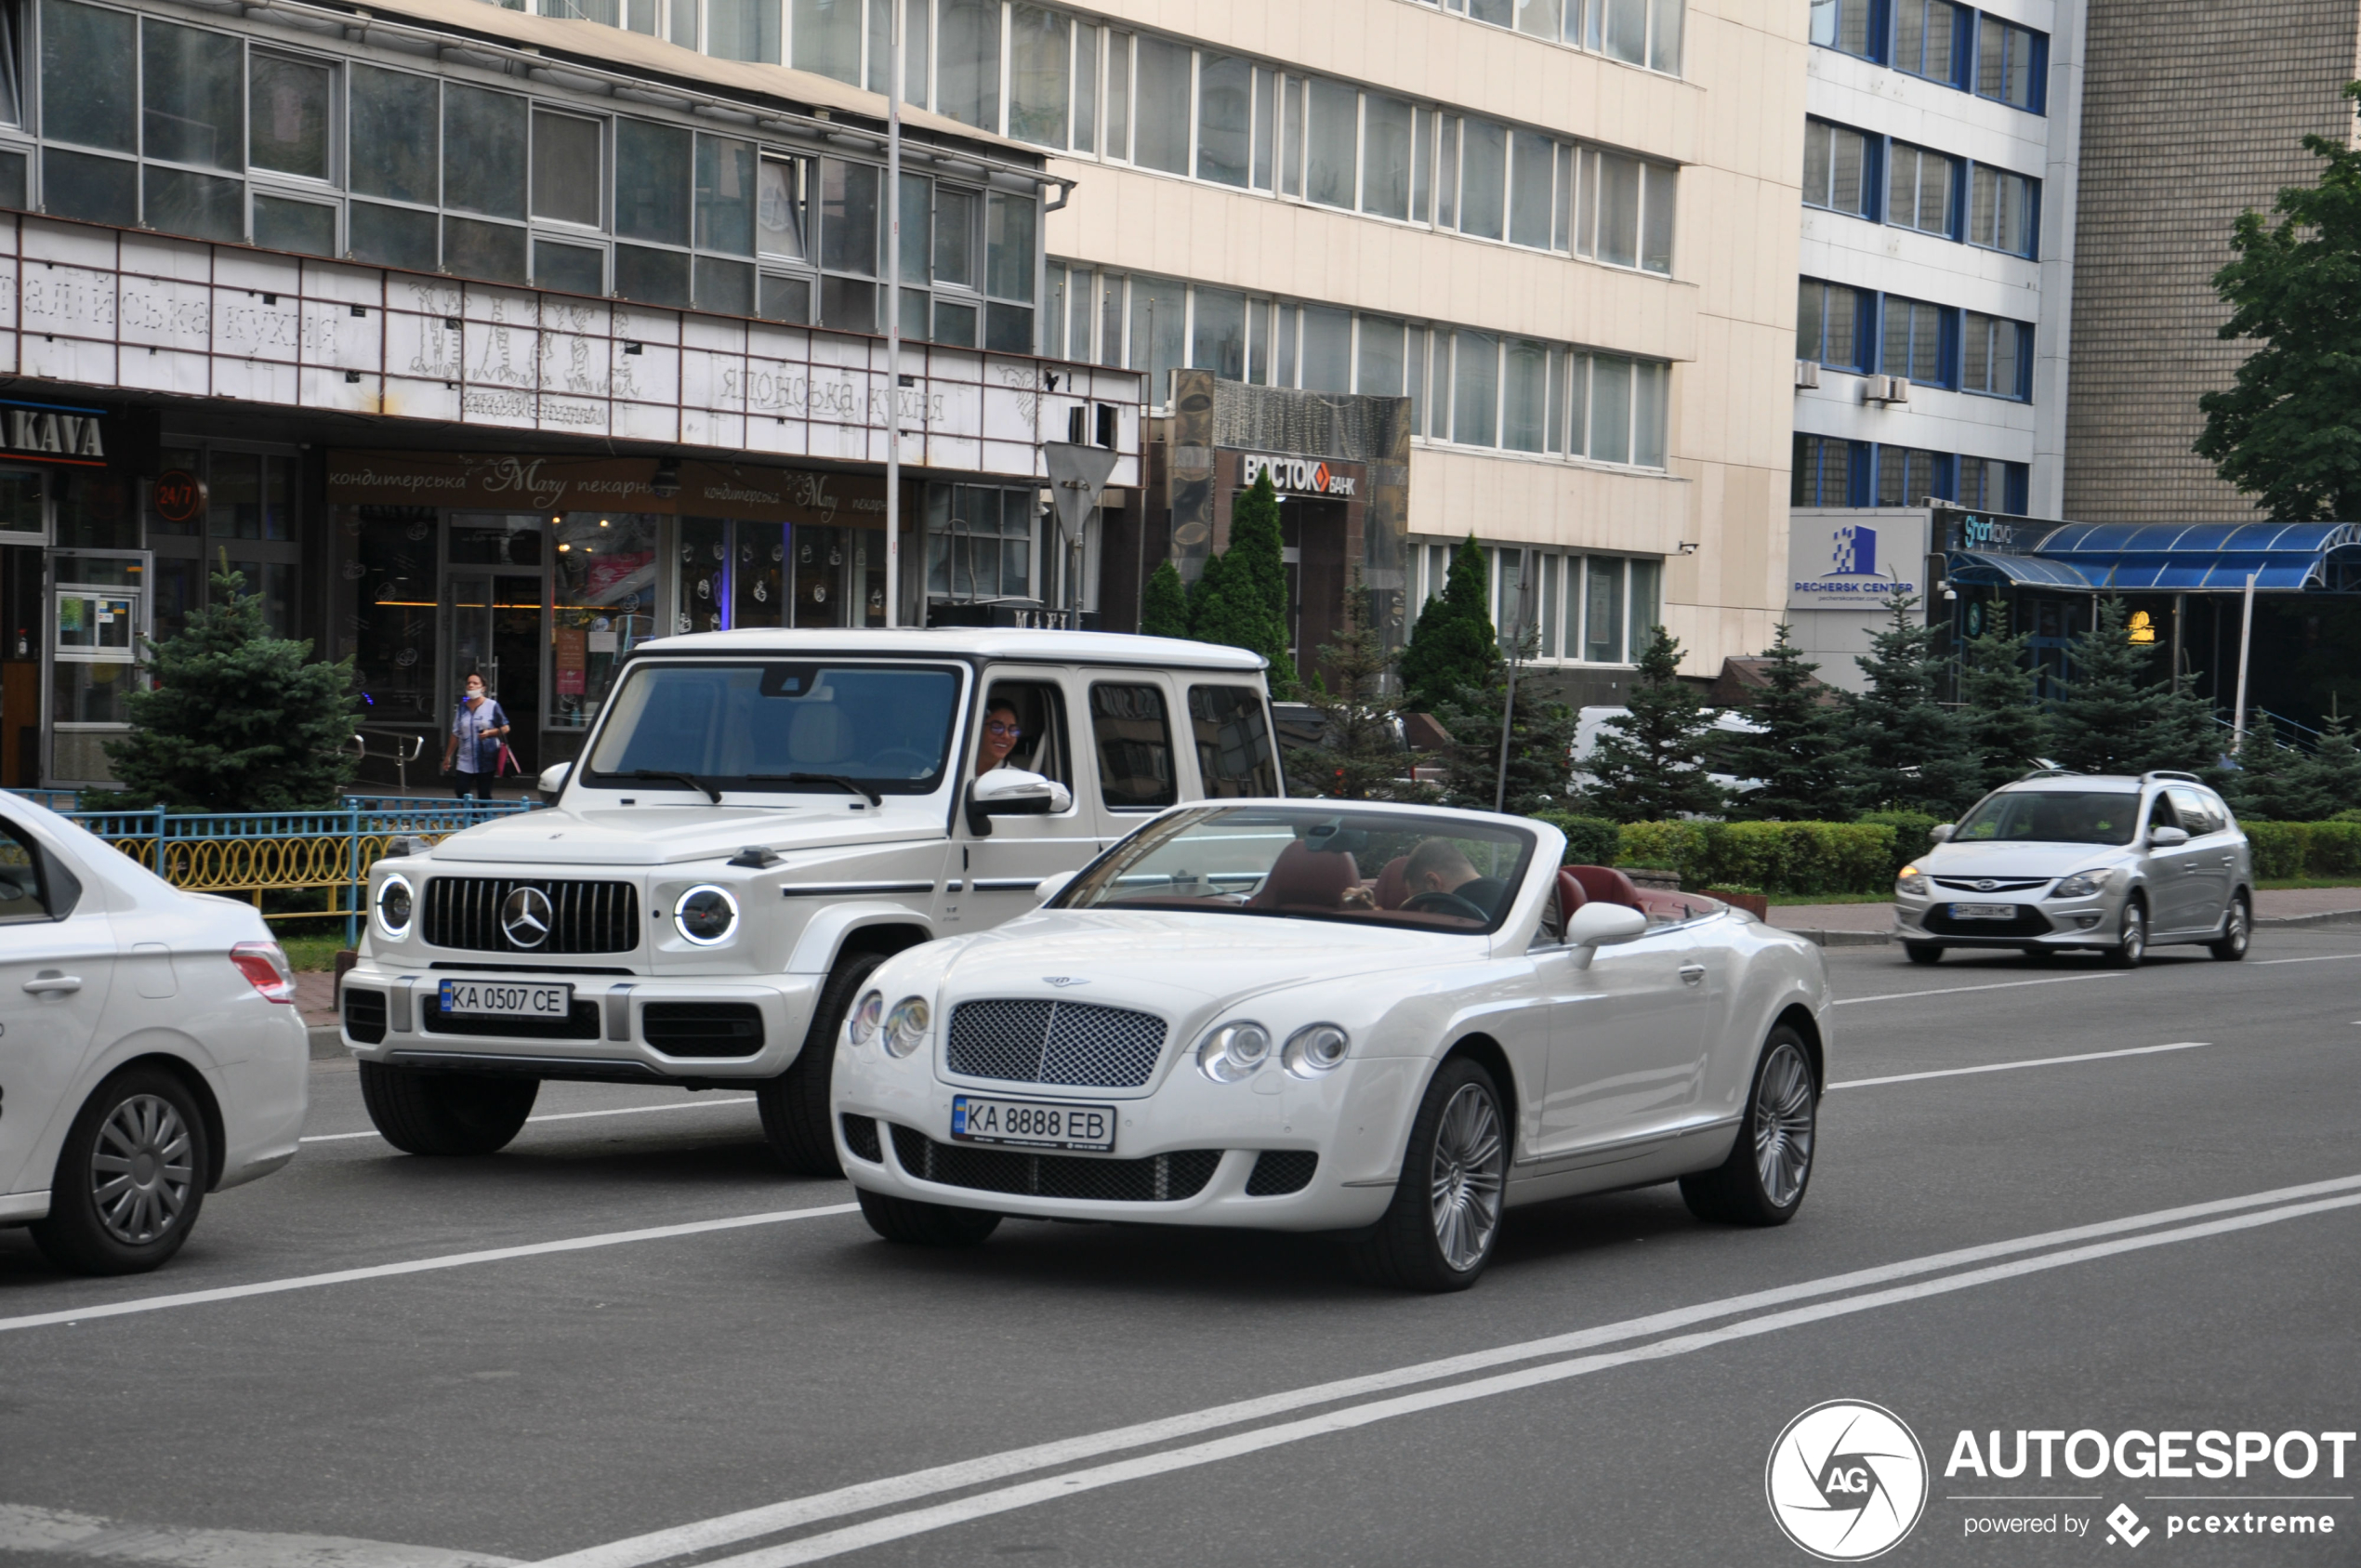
[779, 726]
[1368, 868]
[2052, 816]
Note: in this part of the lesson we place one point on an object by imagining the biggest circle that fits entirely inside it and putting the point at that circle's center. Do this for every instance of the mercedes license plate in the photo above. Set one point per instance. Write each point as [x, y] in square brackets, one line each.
[503, 998]
[1036, 1123]
[1984, 911]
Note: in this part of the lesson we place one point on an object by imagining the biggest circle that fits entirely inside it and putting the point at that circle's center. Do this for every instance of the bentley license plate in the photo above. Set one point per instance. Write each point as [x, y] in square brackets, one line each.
[1036, 1123]
[1984, 911]
[500, 998]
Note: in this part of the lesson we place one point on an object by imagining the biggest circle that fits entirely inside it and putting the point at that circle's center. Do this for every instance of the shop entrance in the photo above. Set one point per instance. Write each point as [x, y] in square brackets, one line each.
[20, 622]
[495, 625]
[1313, 536]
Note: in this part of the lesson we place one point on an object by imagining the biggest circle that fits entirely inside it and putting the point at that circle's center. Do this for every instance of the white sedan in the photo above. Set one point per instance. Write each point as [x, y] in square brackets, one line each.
[149, 1047]
[1390, 1021]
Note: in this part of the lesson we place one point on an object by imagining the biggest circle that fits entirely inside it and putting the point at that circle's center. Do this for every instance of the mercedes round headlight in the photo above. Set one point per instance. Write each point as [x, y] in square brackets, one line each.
[1233, 1051]
[905, 1027]
[707, 916]
[1912, 881]
[396, 904]
[2081, 885]
[1315, 1049]
[866, 1017]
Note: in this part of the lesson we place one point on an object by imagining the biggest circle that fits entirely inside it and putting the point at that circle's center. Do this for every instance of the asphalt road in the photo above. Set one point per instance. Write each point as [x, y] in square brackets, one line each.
[729, 1367]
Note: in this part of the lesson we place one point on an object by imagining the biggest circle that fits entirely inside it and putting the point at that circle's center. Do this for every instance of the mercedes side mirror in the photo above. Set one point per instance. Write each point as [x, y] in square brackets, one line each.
[1941, 832]
[2167, 838]
[553, 778]
[1012, 792]
[1602, 925]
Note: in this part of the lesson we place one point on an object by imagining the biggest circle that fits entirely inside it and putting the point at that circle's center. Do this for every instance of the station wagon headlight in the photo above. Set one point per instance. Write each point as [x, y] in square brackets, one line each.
[866, 1017]
[1233, 1051]
[707, 916]
[396, 905]
[2081, 885]
[1315, 1049]
[905, 1027]
[1912, 881]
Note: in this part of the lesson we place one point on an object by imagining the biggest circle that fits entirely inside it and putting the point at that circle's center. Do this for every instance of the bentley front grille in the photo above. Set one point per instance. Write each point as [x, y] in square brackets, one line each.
[481, 915]
[1157, 1178]
[1074, 1044]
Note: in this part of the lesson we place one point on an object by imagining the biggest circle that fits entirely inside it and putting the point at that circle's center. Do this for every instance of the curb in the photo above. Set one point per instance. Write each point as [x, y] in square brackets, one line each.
[1840, 938]
[2326, 917]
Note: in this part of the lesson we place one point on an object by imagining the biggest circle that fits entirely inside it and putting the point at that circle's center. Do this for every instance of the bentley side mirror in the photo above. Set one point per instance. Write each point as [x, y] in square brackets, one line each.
[1012, 792]
[1941, 832]
[553, 778]
[1051, 887]
[2168, 838]
[1602, 925]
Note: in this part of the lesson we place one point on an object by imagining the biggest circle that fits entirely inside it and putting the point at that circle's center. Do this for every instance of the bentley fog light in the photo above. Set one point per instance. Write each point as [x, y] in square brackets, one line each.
[905, 1027]
[395, 906]
[2081, 885]
[707, 916]
[1912, 881]
[1233, 1051]
[1315, 1049]
[866, 1017]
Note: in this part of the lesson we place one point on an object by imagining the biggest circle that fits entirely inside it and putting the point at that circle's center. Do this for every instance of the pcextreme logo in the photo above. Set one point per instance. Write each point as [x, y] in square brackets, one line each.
[1846, 1481]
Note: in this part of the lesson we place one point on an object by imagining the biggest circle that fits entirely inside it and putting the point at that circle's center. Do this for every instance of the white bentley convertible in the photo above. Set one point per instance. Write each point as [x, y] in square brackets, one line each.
[1390, 1021]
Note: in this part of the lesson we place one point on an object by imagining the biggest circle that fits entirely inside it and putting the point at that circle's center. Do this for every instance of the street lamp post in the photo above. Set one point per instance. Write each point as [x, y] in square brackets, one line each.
[893, 325]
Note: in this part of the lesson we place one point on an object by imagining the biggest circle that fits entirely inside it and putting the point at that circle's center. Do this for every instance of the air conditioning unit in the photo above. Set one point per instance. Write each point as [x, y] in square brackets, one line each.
[1888, 389]
[1807, 372]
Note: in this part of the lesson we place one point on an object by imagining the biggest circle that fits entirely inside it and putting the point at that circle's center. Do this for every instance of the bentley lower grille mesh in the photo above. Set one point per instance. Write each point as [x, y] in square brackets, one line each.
[1280, 1171]
[473, 915]
[1075, 1044]
[1158, 1179]
[860, 1137]
[364, 1014]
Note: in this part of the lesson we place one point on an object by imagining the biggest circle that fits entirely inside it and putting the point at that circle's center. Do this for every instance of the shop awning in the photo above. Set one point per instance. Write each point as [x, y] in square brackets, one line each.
[1994, 568]
[2206, 556]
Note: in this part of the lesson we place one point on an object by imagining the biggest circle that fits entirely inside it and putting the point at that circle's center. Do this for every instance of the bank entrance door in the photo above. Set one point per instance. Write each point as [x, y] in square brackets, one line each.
[496, 626]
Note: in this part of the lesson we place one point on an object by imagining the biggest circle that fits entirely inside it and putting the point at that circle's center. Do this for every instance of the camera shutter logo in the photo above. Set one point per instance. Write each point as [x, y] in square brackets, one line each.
[524, 917]
[1846, 1481]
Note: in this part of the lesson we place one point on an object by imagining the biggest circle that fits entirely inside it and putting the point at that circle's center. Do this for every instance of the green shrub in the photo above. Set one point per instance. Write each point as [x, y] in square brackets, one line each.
[1912, 834]
[1779, 857]
[2334, 850]
[2278, 848]
[2350, 814]
[1590, 840]
[1686, 847]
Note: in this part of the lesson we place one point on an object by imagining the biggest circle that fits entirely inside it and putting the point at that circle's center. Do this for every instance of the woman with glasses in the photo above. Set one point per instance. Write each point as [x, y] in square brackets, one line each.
[1001, 732]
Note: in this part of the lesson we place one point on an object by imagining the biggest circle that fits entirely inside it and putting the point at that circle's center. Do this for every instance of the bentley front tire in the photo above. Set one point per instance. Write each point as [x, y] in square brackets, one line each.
[421, 1113]
[1763, 1181]
[1445, 1220]
[919, 1224]
[795, 1104]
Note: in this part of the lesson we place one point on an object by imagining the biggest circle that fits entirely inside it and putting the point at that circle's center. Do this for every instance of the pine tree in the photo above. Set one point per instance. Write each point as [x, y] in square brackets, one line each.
[1648, 763]
[239, 721]
[1454, 644]
[1361, 756]
[2116, 718]
[1911, 757]
[1540, 749]
[1233, 602]
[1799, 756]
[2334, 769]
[2005, 730]
[1257, 551]
[1164, 604]
[2270, 783]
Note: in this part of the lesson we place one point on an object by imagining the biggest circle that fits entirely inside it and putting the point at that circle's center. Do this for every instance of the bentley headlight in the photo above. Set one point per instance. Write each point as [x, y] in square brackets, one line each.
[866, 1017]
[1912, 881]
[707, 916]
[905, 1027]
[2081, 885]
[1233, 1051]
[396, 904]
[1315, 1049]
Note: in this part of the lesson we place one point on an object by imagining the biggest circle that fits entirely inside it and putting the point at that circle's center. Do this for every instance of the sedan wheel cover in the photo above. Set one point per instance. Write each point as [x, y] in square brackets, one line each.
[1783, 1125]
[1471, 1164]
[2135, 933]
[2238, 927]
[141, 1170]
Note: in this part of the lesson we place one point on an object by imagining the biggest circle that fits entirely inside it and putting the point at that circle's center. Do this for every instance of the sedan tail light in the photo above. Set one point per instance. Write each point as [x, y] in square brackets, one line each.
[266, 966]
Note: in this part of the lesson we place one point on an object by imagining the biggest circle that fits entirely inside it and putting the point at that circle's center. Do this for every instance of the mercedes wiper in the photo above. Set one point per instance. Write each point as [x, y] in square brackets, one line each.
[854, 785]
[659, 773]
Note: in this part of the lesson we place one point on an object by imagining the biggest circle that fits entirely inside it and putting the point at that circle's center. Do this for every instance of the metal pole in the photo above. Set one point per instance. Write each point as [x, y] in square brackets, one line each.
[893, 328]
[2179, 603]
[2246, 646]
[1508, 713]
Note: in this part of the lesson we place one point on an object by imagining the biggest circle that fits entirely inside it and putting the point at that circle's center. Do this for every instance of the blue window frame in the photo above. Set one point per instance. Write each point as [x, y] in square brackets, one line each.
[1856, 27]
[2004, 210]
[1829, 472]
[1840, 169]
[2009, 63]
[1834, 325]
[1918, 340]
[1942, 41]
[1990, 484]
[1996, 356]
[1922, 190]
[1907, 476]
[1933, 39]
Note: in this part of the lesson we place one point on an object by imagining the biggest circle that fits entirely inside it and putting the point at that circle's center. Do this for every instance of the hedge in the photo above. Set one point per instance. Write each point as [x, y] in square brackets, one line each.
[1784, 858]
[1590, 840]
[2328, 849]
[1913, 834]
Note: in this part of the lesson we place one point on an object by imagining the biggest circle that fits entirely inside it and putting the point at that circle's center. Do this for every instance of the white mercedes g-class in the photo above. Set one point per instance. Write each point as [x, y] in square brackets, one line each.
[756, 820]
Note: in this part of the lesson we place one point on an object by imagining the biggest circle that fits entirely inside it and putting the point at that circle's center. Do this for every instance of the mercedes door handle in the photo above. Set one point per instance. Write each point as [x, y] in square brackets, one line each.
[43, 986]
[1693, 974]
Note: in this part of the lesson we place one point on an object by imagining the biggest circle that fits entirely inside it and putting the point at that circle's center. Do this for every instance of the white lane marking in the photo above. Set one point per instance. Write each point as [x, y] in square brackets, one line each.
[704, 1535]
[1955, 990]
[2011, 1066]
[894, 1527]
[81, 1535]
[564, 1116]
[418, 1266]
[2318, 958]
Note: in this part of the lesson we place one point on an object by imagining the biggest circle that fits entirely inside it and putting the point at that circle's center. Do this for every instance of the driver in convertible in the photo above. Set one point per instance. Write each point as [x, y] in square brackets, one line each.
[1439, 866]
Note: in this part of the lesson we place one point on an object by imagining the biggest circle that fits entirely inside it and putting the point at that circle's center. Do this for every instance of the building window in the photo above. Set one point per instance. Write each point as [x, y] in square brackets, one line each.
[1637, 32]
[1828, 472]
[2000, 210]
[979, 543]
[1989, 484]
[1911, 342]
[1586, 609]
[1920, 188]
[1832, 325]
[2008, 63]
[1996, 357]
[1837, 164]
[1927, 39]
[1907, 476]
[1844, 24]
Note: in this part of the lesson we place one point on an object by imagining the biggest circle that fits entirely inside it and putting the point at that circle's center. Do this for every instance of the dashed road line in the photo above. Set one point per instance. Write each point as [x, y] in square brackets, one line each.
[563, 1116]
[1957, 990]
[2011, 1066]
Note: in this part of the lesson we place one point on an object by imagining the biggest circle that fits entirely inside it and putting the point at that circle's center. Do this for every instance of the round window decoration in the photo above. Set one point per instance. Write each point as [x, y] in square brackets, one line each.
[181, 496]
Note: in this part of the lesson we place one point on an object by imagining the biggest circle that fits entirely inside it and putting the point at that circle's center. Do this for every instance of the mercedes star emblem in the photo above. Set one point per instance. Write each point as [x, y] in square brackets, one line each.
[524, 917]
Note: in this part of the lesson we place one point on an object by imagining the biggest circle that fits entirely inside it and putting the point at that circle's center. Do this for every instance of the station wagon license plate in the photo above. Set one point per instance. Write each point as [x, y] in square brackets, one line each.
[498, 998]
[1036, 1123]
[1984, 911]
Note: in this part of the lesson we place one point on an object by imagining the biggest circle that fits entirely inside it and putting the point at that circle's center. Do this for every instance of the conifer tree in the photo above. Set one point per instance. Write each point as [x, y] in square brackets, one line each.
[1648, 764]
[239, 721]
[2334, 769]
[2116, 718]
[1911, 757]
[1799, 756]
[1540, 745]
[2270, 783]
[2003, 724]
[1361, 755]
[1234, 601]
[1164, 604]
[1454, 644]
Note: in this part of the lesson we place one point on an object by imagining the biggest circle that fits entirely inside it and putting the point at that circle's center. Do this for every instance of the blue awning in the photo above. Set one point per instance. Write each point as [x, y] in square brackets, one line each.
[1993, 569]
[2203, 557]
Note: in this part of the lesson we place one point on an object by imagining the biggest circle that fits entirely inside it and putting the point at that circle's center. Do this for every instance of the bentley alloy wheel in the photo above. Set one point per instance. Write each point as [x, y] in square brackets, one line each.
[1783, 1125]
[1470, 1165]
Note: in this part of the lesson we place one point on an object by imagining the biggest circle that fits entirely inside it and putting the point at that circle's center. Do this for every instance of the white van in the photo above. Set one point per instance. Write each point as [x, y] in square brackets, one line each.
[758, 819]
